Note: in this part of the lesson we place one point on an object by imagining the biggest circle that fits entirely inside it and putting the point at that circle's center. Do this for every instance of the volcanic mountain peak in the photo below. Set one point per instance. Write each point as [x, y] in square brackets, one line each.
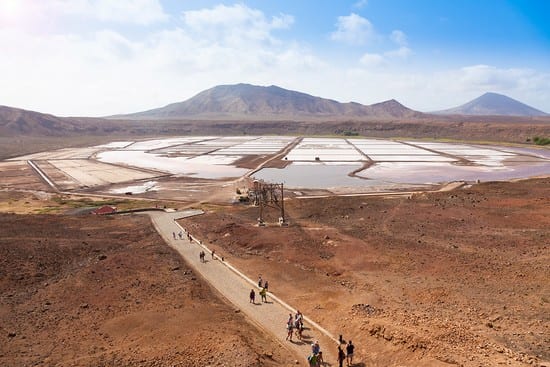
[252, 101]
[494, 104]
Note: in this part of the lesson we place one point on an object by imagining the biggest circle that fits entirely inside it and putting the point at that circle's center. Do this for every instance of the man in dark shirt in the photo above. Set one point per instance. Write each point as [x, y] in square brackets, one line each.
[349, 351]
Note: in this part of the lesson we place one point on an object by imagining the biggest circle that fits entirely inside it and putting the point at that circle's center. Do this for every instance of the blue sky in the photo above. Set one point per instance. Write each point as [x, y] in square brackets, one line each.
[101, 57]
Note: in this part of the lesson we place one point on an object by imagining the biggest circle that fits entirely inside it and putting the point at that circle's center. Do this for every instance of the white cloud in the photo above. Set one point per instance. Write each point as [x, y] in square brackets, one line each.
[143, 12]
[108, 72]
[371, 60]
[431, 91]
[234, 24]
[402, 52]
[360, 4]
[353, 29]
[398, 37]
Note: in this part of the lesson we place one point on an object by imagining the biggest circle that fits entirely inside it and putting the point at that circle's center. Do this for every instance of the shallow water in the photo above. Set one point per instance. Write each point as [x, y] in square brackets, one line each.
[315, 176]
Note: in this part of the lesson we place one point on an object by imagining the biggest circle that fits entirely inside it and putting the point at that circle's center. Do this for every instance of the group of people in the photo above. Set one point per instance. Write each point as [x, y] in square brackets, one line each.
[315, 359]
[295, 325]
[347, 355]
[180, 235]
[263, 291]
[262, 283]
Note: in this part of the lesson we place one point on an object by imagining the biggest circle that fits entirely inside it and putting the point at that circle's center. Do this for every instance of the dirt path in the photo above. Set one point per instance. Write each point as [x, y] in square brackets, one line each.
[235, 287]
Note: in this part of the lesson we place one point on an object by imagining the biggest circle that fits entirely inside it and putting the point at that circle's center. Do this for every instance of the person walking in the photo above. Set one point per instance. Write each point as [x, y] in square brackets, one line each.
[315, 347]
[313, 361]
[299, 318]
[299, 329]
[252, 296]
[174, 235]
[349, 352]
[263, 294]
[213, 254]
[260, 281]
[266, 286]
[289, 328]
[341, 357]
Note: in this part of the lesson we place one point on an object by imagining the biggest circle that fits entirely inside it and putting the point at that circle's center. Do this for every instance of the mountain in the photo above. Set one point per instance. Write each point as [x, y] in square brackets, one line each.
[19, 122]
[15, 121]
[245, 100]
[494, 104]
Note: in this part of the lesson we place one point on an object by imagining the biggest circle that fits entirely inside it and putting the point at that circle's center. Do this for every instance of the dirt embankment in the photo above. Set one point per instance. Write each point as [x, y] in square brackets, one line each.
[106, 291]
[457, 278]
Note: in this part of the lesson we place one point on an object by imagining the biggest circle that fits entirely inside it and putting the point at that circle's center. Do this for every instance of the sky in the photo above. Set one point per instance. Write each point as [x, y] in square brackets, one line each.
[105, 57]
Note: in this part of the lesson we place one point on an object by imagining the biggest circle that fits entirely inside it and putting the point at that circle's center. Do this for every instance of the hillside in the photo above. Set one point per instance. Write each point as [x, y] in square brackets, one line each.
[245, 100]
[15, 121]
[19, 122]
[494, 104]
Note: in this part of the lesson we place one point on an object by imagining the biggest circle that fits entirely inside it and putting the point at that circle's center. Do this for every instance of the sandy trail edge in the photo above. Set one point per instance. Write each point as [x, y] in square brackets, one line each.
[235, 287]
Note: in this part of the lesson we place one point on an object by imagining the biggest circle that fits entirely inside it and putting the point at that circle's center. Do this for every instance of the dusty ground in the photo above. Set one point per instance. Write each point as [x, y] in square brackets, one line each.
[456, 278]
[438, 279]
[106, 291]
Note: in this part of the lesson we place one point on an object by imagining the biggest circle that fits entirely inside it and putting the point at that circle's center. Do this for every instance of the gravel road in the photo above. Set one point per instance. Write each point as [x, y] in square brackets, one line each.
[235, 288]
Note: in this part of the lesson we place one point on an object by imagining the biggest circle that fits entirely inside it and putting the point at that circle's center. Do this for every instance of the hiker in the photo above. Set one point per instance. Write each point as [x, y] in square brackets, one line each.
[174, 235]
[266, 286]
[300, 318]
[252, 296]
[260, 281]
[349, 349]
[263, 294]
[299, 328]
[180, 235]
[313, 361]
[213, 254]
[289, 330]
[341, 357]
[320, 360]
[315, 347]
[189, 237]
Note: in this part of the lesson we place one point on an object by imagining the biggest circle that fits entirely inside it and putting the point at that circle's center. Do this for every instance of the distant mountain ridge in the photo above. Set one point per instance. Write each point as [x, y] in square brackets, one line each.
[252, 100]
[19, 121]
[493, 104]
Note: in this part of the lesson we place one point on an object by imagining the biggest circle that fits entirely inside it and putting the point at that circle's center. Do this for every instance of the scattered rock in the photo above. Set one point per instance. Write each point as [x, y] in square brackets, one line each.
[11, 334]
[84, 305]
[102, 257]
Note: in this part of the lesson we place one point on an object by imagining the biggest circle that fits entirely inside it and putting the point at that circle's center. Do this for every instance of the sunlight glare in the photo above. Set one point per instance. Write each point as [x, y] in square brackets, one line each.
[10, 8]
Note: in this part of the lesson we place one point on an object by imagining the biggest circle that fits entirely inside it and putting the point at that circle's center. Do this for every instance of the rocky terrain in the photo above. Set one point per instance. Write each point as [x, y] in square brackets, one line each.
[457, 278]
[107, 291]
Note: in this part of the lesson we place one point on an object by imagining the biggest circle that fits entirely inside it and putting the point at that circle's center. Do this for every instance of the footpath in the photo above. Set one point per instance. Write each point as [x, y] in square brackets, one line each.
[233, 285]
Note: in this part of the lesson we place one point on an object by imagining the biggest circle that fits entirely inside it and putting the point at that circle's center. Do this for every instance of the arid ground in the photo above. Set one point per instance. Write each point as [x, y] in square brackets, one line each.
[458, 277]
[107, 291]
[431, 279]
